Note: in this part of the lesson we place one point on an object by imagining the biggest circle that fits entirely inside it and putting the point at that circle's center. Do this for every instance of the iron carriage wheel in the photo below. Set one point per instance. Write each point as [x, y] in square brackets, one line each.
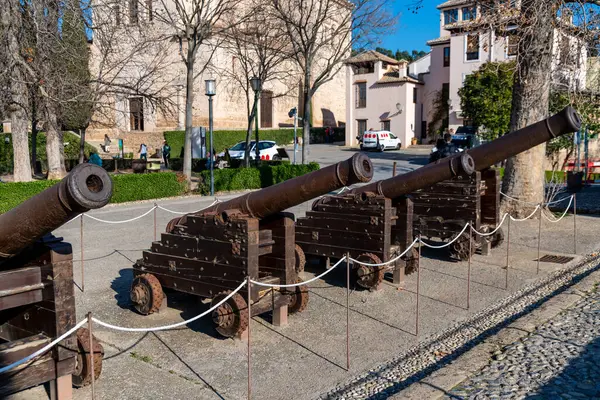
[367, 276]
[231, 317]
[300, 259]
[82, 376]
[411, 259]
[298, 298]
[459, 249]
[146, 294]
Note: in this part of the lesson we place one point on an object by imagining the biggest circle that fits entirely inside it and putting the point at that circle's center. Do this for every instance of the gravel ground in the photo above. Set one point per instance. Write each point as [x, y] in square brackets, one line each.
[559, 360]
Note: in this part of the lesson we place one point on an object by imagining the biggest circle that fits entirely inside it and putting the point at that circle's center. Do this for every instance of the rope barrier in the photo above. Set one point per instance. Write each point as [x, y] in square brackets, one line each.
[121, 222]
[43, 349]
[389, 261]
[449, 243]
[301, 283]
[532, 203]
[492, 232]
[165, 327]
[189, 212]
[563, 215]
[527, 217]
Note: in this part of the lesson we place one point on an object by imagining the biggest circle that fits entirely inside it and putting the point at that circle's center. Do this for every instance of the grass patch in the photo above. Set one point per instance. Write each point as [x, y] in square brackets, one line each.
[138, 356]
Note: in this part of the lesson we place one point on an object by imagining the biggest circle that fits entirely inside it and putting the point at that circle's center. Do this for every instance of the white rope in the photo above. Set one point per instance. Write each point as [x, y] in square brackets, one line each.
[449, 243]
[492, 232]
[526, 218]
[124, 221]
[162, 328]
[189, 212]
[73, 219]
[43, 349]
[301, 283]
[389, 261]
[563, 215]
[560, 200]
[532, 203]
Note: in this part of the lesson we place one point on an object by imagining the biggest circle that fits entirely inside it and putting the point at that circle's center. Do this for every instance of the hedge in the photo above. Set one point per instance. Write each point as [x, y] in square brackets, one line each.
[129, 187]
[227, 139]
[71, 142]
[252, 178]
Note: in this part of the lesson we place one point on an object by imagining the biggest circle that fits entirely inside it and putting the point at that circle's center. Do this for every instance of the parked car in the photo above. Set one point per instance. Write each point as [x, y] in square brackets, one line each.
[267, 150]
[380, 140]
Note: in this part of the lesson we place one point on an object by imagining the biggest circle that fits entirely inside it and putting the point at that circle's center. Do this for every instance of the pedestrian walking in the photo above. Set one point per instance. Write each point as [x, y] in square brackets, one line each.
[107, 142]
[166, 153]
[143, 152]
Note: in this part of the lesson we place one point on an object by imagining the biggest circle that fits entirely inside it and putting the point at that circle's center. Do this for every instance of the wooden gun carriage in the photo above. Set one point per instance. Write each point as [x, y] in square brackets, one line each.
[37, 301]
[442, 210]
[374, 223]
[210, 253]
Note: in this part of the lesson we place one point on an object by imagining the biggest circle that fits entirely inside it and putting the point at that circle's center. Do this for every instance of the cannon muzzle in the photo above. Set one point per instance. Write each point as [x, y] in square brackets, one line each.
[86, 187]
[273, 199]
[478, 158]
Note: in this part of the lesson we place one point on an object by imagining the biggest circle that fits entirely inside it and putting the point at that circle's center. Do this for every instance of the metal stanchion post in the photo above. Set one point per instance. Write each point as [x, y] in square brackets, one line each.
[539, 240]
[81, 248]
[249, 323]
[574, 224]
[469, 268]
[347, 311]
[418, 287]
[394, 169]
[155, 207]
[507, 254]
[91, 352]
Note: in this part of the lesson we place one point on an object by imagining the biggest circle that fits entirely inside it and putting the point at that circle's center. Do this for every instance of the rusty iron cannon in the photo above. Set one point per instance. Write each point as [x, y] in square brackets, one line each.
[374, 222]
[210, 253]
[37, 300]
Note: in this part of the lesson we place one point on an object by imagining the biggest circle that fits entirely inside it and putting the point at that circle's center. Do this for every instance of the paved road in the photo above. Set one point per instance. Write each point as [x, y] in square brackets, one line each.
[406, 159]
[558, 361]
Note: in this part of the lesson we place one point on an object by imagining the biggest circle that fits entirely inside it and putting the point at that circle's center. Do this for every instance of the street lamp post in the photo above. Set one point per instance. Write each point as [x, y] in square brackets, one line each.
[210, 92]
[256, 87]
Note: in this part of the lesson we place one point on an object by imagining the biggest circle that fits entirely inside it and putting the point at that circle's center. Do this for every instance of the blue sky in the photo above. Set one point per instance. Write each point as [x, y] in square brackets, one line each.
[413, 30]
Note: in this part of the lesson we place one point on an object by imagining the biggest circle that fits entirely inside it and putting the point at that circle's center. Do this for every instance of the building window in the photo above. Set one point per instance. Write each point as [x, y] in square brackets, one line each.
[450, 16]
[385, 125]
[133, 11]
[415, 95]
[472, 47]
[361, 95]
[469, 13]
[446, 56]
[150, 12]
[362, 127]
[512, 45]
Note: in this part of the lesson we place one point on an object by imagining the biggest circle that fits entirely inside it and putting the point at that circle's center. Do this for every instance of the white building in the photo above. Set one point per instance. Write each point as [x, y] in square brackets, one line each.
[380, 95]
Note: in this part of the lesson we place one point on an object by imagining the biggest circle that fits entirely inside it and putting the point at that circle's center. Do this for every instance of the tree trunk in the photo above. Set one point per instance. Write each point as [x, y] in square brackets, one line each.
[249, 134]
[524, 174]
[56, 166]
[81, 145]
[256, 147]
[189, 104]
[306, 119]
[20, 143]
[34, 131]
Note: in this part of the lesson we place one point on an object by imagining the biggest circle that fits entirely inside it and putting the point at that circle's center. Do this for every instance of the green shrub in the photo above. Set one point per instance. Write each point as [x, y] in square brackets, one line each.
[70, 140]
[253, 178]
[130, 187]
[227, 139]
[133, 187]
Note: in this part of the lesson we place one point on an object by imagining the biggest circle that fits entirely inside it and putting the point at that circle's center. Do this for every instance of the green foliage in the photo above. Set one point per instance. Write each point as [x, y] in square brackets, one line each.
[130, 187]
[402, 55]
[70, 141]
[486, 98]
[439, 117]
[227, 139]
[253, 178]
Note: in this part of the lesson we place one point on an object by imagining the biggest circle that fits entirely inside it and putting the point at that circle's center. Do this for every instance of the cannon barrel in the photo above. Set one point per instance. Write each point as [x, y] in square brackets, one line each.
[478, 158]
[276, 198]
[86, 187]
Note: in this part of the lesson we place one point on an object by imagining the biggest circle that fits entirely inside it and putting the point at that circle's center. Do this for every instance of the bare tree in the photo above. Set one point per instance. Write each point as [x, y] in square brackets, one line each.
[198, 26]
[321, 35]
[259, 50]
[15, 100]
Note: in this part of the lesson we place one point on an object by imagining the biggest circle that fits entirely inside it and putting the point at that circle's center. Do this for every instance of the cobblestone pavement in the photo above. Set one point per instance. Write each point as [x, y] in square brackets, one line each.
[558, 361]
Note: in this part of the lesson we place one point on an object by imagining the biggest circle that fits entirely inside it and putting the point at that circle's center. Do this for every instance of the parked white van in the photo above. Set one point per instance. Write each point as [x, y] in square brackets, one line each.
[380, 140]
